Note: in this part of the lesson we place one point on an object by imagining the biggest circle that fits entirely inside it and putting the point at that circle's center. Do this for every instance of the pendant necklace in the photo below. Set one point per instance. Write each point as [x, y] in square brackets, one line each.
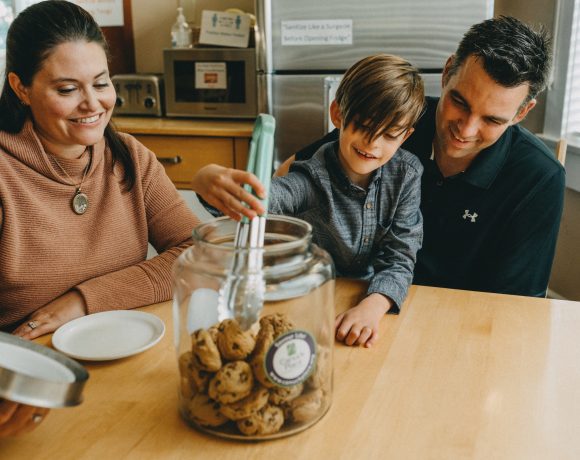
[80, 201]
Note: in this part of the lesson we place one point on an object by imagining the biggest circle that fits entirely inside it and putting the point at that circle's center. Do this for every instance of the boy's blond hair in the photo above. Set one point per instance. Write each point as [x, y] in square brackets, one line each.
[381, 94]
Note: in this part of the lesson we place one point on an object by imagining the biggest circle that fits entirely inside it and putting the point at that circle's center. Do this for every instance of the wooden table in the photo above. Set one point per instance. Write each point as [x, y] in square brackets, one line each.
[458, 375]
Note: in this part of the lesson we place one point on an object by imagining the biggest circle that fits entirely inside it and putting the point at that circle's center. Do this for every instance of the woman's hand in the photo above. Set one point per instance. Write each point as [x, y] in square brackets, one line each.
[223, 189]
[54, 314]
[19, 418]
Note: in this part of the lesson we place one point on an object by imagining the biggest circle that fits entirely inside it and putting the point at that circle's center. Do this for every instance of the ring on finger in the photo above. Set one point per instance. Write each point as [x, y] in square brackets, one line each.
[32, 325]
[37, 418]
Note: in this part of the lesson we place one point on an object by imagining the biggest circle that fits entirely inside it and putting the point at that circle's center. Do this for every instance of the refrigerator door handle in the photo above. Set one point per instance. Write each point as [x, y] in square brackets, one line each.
[331, 84]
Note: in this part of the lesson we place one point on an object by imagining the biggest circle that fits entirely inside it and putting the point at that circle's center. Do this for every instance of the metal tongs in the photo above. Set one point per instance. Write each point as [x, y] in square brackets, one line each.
[242, 294]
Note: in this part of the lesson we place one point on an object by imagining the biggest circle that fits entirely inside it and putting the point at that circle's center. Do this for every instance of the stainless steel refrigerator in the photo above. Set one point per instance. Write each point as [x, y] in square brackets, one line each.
[304, 46]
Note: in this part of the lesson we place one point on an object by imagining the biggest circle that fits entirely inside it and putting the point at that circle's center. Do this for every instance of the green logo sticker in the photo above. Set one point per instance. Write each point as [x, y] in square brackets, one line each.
[291, 358]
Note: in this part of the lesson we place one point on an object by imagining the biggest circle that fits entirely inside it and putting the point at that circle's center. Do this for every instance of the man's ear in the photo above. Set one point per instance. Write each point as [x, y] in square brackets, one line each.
[445, 76]
[19, 89]
[524, 111]
[335, 115]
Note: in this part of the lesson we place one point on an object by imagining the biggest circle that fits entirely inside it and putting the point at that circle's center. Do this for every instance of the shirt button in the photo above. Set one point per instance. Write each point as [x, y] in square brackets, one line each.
[366, 239]
[369, 205]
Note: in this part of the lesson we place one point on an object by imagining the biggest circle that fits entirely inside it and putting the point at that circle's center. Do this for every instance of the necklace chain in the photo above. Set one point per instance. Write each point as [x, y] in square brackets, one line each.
[80, 201]
[86, 170]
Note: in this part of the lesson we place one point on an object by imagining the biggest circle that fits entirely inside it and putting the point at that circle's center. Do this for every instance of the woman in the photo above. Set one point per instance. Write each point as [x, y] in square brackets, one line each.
[16, 419]
[78, 202]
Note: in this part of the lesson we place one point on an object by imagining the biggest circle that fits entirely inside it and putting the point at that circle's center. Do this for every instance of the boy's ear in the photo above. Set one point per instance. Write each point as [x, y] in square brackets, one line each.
[335, 115]
[407, 134]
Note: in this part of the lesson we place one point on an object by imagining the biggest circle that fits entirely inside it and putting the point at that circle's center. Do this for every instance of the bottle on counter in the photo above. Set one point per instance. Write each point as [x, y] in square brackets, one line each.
[181, 34]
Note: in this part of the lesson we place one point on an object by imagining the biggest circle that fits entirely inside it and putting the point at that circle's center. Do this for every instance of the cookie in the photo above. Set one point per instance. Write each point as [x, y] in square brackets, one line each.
[244, 408]
[263, 341]
[279, 323]
[205, 412]
[231, 383]
[283, 395]
[200, 378]
[184, 362]
[306, 407]
[268, 420]
[322, 374]
[206, 355]
[187, 388]
[233, 342]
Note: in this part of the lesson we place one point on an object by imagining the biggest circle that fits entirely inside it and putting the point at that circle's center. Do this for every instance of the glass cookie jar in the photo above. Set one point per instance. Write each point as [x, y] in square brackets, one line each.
[254, 340]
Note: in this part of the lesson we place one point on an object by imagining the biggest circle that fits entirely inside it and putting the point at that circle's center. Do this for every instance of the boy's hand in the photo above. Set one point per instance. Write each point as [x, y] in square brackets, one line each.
[223, 189]
[360, 324]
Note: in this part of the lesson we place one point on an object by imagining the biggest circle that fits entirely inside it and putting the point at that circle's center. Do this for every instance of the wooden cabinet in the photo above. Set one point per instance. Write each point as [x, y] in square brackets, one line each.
[184, 146]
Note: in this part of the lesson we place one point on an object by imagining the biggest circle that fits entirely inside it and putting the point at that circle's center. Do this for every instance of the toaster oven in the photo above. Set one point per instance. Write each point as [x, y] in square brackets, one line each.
[211, 82]
[138, 94]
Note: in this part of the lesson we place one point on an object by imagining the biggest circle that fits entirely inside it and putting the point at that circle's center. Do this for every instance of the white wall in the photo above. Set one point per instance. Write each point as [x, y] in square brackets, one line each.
[152, 21]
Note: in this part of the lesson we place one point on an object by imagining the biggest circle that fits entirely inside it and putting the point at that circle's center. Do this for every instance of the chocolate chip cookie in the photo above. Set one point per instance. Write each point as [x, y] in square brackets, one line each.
[206, 355]
[244, 408]
[232, 382]
[206, 412]
[268, 420]
[233, 342]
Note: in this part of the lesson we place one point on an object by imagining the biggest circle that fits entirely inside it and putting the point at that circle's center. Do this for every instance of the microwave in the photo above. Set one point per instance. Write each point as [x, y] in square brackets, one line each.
[210, 82]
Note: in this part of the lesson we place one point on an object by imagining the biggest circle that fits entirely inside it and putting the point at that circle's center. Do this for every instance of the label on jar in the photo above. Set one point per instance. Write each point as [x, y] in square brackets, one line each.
[291, 358]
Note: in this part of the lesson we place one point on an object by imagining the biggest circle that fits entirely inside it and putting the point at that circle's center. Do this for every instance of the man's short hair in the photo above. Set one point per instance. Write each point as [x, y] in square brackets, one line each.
[381, 93]
[511, 52]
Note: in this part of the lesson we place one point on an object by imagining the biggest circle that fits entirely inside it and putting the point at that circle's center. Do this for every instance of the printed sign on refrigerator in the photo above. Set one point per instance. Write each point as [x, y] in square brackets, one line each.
[317, 32]
[210, 75]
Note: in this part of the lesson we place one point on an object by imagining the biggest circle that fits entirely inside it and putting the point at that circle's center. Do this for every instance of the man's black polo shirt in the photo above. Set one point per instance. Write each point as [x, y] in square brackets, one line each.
[493, 227]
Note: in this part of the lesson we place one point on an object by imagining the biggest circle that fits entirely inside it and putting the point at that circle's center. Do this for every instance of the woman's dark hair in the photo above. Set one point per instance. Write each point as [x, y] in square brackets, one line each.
[32, 36]
[511, 52]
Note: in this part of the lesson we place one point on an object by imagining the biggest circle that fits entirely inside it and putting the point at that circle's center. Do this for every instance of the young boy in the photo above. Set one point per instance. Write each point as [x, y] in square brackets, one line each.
[361, 194]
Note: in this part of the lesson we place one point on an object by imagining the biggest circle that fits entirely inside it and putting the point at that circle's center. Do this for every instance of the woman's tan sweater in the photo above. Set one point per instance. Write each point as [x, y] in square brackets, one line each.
[46, 249]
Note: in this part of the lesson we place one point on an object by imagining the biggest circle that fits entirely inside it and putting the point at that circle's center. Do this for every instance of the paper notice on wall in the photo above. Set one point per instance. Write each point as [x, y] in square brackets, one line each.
[210, 75]
[317, 32]
[224, 29]
[107, 13]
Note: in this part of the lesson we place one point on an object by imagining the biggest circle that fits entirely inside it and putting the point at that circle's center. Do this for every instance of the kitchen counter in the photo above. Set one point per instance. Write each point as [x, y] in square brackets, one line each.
[185, 145]
[184, 126]
[457, 375]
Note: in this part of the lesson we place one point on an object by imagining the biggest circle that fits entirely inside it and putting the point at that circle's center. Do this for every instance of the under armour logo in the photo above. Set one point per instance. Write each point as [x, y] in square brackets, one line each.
[472, 217]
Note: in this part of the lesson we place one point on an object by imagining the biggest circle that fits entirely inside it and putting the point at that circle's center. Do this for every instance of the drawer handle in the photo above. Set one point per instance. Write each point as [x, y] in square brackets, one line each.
[170, 160]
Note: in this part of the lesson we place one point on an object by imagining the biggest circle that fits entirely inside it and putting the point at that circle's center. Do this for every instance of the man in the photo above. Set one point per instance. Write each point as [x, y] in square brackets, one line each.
[492, 193]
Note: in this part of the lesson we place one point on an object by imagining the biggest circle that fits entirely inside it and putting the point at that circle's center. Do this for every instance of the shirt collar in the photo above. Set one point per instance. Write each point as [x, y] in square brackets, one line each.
[338, 174]
[489, 162]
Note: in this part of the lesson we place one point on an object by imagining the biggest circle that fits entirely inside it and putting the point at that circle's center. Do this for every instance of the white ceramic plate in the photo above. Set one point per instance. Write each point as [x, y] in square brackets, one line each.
[109, 335]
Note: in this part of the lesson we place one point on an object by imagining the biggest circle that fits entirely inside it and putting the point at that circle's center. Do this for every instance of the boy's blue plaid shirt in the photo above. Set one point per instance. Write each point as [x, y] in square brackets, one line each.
[371, 234]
